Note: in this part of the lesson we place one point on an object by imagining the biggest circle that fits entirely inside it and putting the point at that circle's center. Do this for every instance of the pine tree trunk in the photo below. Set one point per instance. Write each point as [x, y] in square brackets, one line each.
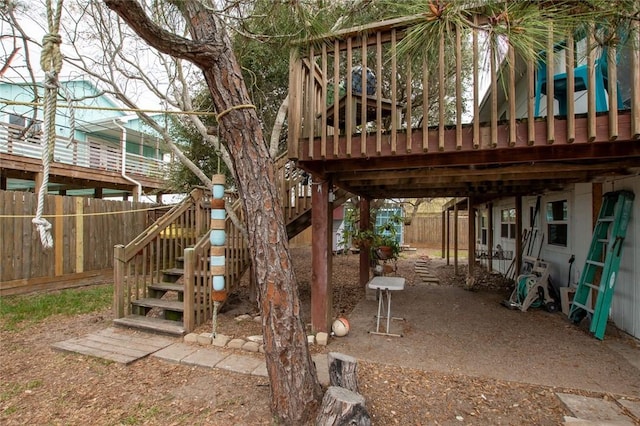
[295, 390]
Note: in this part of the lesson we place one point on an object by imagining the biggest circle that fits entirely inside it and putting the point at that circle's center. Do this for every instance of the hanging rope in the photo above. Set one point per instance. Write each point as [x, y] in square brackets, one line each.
[51, 63]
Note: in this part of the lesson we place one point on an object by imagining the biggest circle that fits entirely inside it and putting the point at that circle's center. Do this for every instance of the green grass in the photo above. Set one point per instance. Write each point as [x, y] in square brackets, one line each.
[28, 310]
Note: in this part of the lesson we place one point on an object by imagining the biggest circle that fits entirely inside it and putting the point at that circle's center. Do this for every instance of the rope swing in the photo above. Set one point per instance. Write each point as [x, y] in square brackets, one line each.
[51, 63]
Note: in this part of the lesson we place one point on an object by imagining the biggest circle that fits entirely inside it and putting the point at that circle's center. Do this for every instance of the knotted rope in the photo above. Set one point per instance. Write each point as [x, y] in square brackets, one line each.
[51, 63]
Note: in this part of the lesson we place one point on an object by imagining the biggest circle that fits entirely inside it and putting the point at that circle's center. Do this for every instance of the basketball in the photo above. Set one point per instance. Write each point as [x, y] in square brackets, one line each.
[340, 327]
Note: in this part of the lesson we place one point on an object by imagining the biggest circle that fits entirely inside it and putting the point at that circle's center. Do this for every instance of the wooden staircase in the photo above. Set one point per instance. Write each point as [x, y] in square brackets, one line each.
[162, 282]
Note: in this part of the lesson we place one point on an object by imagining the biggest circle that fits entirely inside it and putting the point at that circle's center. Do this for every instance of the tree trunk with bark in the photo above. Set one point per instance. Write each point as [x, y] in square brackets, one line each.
[295, 391]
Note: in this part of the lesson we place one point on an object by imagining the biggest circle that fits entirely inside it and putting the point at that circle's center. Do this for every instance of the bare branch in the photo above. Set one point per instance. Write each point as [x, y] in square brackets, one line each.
[199, 53]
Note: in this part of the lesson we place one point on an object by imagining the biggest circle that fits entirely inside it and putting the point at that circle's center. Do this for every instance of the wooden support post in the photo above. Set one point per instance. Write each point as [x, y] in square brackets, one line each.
[518, 258]
[448, 244]
[118, 281]
[321, 289]
[38, 182]
[97, 192]
[341, 406]
[472, 240]
[443, 232]
[3, 183]
[455, 236]
[596, 202]
[364, 250]
[189, 316]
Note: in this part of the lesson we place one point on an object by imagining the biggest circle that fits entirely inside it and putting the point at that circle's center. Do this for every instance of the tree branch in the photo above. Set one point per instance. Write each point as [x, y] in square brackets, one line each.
[133, 14]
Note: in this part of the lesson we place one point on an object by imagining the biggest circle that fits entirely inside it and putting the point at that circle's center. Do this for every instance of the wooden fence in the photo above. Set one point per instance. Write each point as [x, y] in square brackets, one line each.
[424, 231]
[84, 232]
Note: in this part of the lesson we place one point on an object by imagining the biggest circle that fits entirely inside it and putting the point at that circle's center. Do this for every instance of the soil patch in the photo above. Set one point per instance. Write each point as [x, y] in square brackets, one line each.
[41, 386]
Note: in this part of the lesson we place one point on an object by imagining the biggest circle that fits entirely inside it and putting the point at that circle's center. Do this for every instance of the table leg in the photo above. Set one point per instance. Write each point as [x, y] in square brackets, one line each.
[379, 292]
[388, 309]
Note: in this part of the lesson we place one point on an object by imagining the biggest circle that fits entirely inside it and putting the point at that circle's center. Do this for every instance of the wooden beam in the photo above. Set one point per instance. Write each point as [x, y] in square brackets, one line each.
[455, 237]
[443, 230]
[471, 238]
[321, 288]
[32, 285]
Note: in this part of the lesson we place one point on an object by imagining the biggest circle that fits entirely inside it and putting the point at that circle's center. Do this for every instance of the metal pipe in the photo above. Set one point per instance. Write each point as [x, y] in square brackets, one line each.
[123, 143]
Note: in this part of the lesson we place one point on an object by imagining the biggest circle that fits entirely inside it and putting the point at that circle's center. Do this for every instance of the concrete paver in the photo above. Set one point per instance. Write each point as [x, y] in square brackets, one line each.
[594, 409]
[260, 370]
[205, 358]
[240, 363]
[175, 352]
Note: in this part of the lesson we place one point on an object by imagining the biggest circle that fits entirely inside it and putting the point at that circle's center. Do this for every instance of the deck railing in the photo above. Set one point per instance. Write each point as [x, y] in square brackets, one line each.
[424, 96]
[295, 188]
[93, 153]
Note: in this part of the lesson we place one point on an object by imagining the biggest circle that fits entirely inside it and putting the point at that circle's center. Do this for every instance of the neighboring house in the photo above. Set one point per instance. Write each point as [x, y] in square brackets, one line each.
[94, 161]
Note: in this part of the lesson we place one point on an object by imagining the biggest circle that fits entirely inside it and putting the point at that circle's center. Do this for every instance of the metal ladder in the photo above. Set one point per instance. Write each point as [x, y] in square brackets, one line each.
[603, 261]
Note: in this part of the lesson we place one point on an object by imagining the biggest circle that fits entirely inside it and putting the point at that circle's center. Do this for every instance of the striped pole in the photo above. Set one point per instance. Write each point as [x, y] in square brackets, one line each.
[218, 238]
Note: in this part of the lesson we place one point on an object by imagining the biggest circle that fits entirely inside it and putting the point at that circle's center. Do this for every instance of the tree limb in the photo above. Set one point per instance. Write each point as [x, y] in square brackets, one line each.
[199, 53]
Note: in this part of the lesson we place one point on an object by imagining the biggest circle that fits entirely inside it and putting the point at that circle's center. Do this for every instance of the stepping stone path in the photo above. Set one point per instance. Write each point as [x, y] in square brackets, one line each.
[424, 273]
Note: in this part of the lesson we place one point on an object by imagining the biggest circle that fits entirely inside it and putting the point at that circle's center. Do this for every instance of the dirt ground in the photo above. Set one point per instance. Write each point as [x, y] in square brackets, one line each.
[452, 385]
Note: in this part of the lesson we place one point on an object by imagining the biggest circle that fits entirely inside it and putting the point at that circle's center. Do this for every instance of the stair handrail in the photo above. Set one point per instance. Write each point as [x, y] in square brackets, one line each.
[161, 224]
[140, 263]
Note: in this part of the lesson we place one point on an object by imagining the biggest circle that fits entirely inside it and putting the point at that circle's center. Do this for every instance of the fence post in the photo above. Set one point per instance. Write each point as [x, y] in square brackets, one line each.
[189, 308]
[118, 280]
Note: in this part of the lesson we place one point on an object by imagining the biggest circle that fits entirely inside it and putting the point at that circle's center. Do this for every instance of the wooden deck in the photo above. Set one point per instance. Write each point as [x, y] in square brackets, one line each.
[528, 166]
[69, 177]
[427, 130]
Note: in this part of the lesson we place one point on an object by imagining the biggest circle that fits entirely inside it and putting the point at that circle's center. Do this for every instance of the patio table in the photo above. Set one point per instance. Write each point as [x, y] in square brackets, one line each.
[384, 286]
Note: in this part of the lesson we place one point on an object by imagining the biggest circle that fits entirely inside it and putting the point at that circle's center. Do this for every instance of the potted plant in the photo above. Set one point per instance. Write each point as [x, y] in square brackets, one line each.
[381, 240]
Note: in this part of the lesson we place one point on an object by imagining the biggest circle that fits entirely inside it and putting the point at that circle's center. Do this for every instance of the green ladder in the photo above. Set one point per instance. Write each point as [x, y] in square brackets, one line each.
[603, 261]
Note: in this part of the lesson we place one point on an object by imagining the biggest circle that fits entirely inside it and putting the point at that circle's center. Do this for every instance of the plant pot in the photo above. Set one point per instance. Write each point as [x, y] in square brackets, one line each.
[385, 252]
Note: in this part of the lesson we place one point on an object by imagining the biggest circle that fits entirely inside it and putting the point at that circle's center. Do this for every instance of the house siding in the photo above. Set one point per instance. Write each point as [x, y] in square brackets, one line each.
[625, 308]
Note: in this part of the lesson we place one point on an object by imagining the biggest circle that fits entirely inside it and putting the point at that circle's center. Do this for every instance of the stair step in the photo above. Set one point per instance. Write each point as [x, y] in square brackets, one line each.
[167, 287]
[168, 305]
[157, 325]
[173, 271]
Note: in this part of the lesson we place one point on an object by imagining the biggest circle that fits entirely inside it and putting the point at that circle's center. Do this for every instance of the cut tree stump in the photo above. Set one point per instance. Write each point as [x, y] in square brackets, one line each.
[343, 371]
[341, 406]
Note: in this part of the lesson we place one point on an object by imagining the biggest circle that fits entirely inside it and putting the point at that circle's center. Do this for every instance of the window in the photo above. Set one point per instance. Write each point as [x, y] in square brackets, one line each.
[483, 228]
[17, 120]
[557, 222]
[508, 223]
